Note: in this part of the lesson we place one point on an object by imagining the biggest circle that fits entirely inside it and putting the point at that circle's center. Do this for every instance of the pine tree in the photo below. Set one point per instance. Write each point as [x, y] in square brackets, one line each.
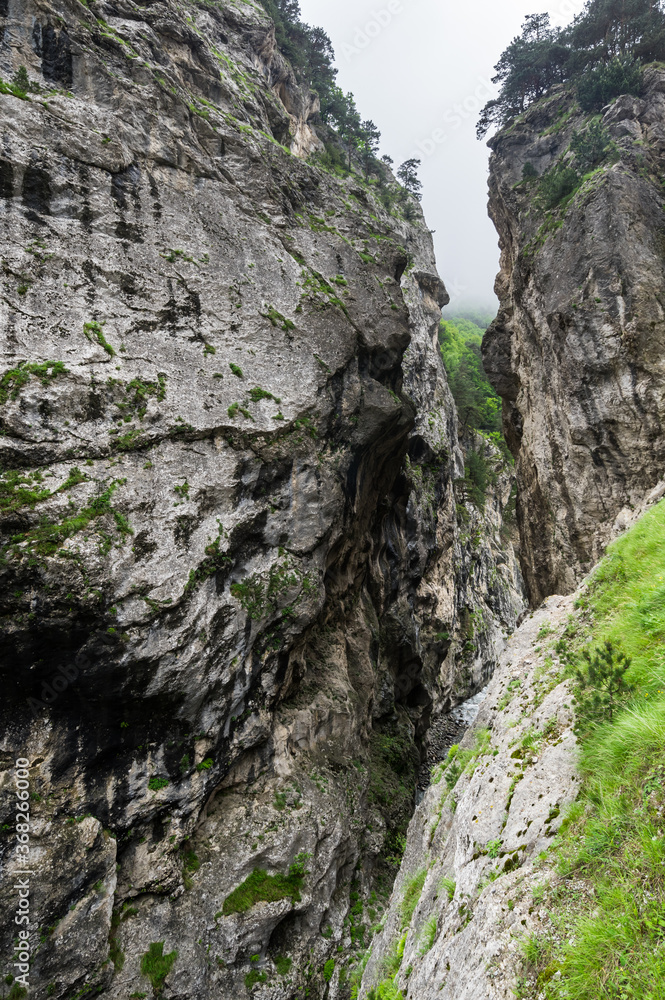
[601, 683]
[600, 51]
[408, 175]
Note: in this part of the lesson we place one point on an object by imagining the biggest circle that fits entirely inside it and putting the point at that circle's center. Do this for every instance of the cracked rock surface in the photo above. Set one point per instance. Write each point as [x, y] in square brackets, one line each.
[235, 563]
[577, 349]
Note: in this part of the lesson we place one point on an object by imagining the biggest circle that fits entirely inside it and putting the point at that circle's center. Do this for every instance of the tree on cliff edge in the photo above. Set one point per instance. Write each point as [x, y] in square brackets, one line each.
[608, 33]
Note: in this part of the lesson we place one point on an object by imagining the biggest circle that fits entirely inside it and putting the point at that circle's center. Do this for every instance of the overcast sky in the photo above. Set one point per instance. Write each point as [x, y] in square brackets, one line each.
[421, 70]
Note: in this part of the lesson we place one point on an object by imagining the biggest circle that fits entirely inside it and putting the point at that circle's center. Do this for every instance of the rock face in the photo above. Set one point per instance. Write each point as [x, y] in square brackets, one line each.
[577, 351]
[237, 568]
[474, 841]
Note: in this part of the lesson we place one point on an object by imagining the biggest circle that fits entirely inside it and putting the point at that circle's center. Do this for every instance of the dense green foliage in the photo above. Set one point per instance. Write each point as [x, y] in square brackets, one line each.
[478, 406]
[590, 148]
[600, 54]
[608, 942]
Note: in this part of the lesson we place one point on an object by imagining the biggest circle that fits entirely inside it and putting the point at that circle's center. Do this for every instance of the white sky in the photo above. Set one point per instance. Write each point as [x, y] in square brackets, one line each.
[418, 66]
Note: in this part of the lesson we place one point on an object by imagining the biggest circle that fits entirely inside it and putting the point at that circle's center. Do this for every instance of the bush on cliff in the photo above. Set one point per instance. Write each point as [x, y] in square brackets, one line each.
[600, 85]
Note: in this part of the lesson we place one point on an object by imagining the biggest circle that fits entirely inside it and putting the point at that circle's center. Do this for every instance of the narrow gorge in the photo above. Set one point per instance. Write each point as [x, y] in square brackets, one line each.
[238, 604]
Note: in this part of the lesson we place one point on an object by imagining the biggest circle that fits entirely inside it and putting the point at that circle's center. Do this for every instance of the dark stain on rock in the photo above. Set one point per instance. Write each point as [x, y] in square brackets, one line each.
[89, 269]
[128, 284]
[56, 53]
[37, 38]
[6, 179]
[126, 182]
[128, 231]
[36, 192]
[143, 545]
[156, 204]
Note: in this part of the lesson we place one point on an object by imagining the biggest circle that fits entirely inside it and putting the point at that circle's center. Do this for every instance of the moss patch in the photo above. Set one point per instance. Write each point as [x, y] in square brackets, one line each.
[261, 887]
[15, 379]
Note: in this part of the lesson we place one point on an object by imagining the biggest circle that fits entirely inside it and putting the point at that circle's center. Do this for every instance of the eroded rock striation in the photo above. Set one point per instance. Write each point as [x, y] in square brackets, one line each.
[238, 569]
[577, 351]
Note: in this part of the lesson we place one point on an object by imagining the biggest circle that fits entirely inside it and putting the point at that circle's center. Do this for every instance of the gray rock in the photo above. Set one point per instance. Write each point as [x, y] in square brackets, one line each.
[231, 556]
[577, 351]
[484, 836]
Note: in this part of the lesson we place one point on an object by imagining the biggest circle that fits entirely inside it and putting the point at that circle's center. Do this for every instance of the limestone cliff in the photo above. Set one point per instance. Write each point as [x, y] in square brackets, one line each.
[237, 571]
[473, 845]
[577, 349]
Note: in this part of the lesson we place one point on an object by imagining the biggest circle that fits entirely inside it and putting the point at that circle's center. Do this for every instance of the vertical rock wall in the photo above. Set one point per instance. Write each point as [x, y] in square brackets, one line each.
[233, 583]
[576, 351]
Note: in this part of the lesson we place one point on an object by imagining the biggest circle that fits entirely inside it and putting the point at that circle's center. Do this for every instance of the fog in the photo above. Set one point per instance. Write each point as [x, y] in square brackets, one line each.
[421, 70]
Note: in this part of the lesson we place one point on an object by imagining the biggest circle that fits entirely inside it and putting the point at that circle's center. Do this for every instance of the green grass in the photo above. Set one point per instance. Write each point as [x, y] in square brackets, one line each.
[427, 936]
[254, 977]
[609, 944]
[627, 597]
[47, 537]
[385, 991]
[448, 885]
[156, 965]
[412, 890]
[93, 329]
[154, 784]
[261, 887]
[283, 965]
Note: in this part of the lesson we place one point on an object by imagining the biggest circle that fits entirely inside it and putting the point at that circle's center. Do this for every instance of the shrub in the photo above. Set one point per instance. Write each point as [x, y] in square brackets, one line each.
[493, 848]
[557, 184]
[283, 965]
[600, 85]
[385, 991]
[590, 146]
[156, 783]
[261, 887]
[254, 977]
[601, 683]
[477, 476]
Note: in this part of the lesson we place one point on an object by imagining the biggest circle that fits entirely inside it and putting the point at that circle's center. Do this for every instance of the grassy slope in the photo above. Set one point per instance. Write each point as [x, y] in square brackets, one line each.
[607, 904]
